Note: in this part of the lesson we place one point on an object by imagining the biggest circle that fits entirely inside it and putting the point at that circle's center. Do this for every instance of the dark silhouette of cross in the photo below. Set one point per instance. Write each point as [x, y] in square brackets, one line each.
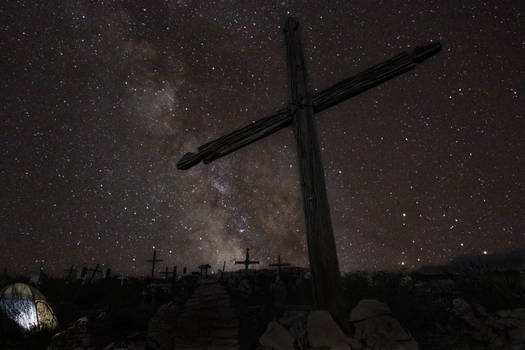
[246, 262]
[153, 262]
[322, 254]
[166, 273]
[223, 269]
[70, 272]
[204, 267]
[83, 273]
[122, 278]
[174, 273]
[95, 271]
[279, 265]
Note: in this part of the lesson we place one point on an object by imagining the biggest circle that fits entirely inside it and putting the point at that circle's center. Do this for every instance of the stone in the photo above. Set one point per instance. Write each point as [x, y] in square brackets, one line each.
[162, 325]
[277, 337]
[322, 329]
[340, 346]
[75, 336]
[462, 310]
[290, 317]
[245, 288]
[382, 330]
[354, 343]
[279, 292]
[375, 326]
[369, 308]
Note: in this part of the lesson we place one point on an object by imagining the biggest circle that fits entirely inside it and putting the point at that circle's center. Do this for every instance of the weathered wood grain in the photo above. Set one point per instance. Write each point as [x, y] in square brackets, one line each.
[324, 266]
[322, 100]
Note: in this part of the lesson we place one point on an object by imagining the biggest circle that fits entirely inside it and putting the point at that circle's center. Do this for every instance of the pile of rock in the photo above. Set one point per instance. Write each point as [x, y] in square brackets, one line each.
[207, 320]
[74, 337]
[375, 329]
[504, 329]
[97, 333]
[162, 325]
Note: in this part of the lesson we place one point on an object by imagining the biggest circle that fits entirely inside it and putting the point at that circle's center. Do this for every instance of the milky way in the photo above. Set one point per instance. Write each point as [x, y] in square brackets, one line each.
[99, 102]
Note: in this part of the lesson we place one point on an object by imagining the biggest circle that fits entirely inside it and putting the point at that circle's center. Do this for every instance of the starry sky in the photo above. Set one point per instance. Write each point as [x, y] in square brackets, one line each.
[99, 100]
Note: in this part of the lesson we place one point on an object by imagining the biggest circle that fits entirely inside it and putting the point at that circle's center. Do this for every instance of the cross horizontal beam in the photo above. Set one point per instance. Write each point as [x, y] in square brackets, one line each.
[322, 100]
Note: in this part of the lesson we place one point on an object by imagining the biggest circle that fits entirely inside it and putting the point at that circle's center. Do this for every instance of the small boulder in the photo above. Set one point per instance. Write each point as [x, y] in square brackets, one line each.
[75, 336]
[162, 325]
[375, 326]
[277, 337]
[340, 346]
[369, 308]
[322, 329]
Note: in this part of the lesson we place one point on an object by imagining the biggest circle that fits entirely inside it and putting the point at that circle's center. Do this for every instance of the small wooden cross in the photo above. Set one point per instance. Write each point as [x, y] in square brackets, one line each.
[246, 262]
[95, 271]
[279, 264]
[205, 267]
[322, 254]
[153, 262]
[174, 273]
[122, 278]
[83, 273]
[70, 272]
[223, 269]
[166, 273]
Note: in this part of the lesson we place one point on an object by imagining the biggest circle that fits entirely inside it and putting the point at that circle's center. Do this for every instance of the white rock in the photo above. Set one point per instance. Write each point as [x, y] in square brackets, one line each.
[354, 343]
[384, 332]
[322, 329]
[291, 317]
[340, 346]
[369, 308]
[277, 337]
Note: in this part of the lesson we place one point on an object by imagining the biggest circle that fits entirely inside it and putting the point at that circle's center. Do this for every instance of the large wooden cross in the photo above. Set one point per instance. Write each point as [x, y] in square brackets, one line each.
[326, 278]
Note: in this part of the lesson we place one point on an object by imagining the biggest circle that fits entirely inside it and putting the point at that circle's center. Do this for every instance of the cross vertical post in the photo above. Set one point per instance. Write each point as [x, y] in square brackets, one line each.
[153, 262]
[174, 273]
[322, 254]
[324, 266]
[223, 268]
[70, 272]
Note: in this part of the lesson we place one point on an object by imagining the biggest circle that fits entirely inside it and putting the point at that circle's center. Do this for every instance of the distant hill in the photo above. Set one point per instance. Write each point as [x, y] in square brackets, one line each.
[513, 260]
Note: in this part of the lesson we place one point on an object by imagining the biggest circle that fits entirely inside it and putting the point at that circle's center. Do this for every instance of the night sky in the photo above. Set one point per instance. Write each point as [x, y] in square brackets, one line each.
[100, 100]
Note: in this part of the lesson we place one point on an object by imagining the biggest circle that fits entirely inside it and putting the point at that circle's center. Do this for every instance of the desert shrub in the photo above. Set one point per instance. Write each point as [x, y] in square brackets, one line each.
[493, 290]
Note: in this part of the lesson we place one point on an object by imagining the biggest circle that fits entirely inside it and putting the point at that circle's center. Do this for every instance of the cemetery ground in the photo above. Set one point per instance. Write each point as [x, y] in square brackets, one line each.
[474, 309]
